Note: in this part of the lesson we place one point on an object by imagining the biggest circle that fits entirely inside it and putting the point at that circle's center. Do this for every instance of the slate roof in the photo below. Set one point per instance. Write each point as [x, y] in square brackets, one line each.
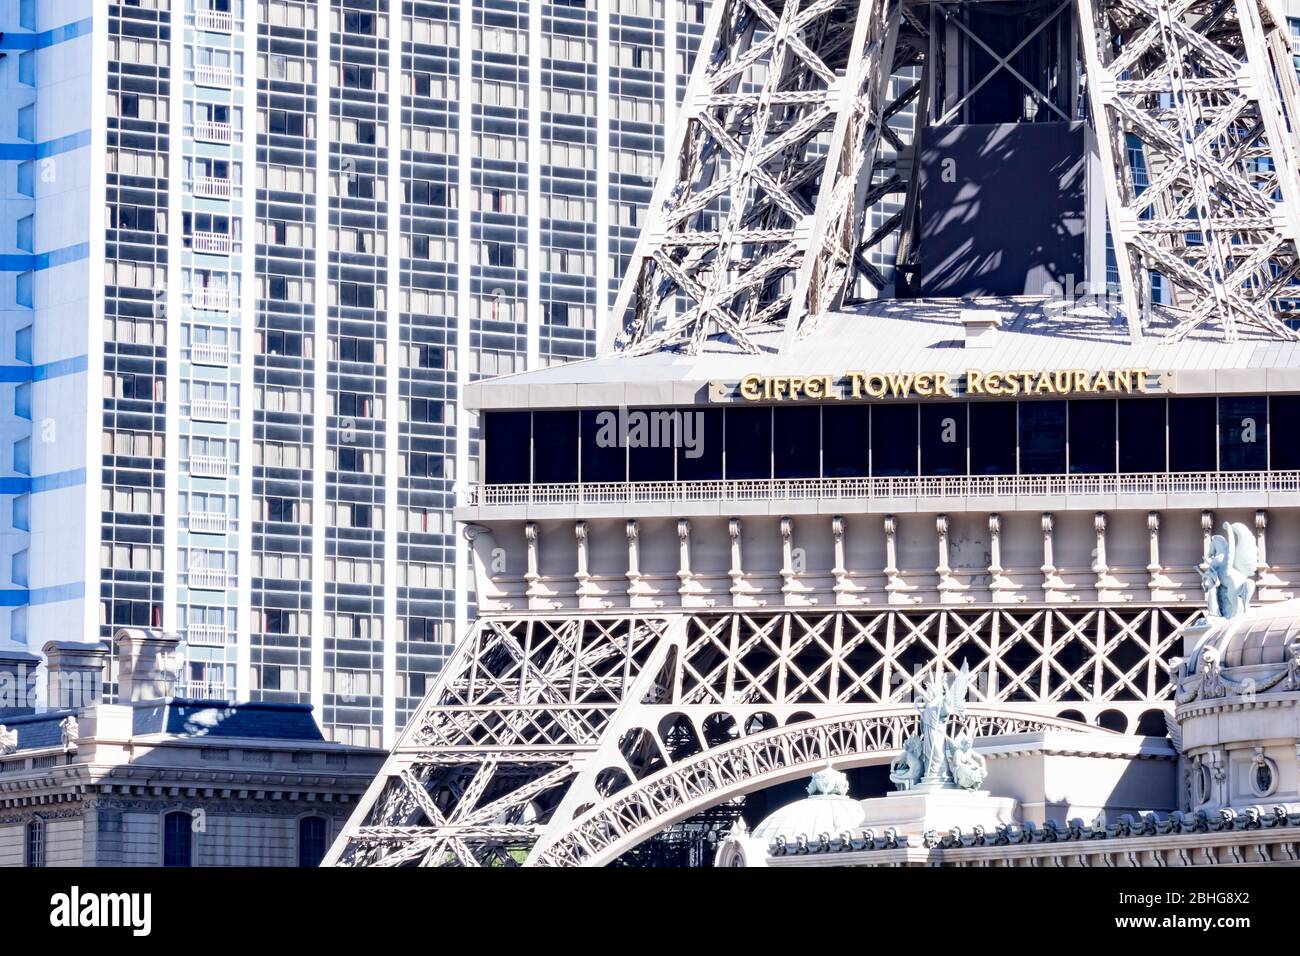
[207, 718]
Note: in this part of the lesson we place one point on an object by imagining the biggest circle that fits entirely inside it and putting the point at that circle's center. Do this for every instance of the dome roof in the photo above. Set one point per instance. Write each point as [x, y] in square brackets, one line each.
[1260, 636]
[828, 809]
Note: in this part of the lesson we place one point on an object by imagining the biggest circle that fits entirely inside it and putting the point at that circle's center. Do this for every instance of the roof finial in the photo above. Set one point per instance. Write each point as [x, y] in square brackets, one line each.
[828, 782]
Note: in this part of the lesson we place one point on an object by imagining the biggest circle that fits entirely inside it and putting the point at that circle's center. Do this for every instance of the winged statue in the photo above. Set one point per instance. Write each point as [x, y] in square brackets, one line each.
[1228, 572]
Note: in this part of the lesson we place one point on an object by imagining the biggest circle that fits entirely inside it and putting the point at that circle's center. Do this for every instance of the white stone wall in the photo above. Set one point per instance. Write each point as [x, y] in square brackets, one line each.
[13, 837]
[63, 842]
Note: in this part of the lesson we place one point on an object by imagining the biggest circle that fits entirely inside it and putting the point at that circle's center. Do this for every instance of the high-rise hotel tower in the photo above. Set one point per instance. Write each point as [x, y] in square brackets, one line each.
[253, 251]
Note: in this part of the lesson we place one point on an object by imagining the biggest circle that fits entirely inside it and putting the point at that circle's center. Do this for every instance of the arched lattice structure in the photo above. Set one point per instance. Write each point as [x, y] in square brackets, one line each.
[542, 720]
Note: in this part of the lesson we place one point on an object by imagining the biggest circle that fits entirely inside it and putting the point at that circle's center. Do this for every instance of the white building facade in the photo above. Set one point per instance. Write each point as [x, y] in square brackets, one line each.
[253, 254]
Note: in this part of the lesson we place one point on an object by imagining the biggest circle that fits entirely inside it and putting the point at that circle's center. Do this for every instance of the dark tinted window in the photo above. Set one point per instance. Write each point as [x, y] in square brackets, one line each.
[893, 440]
[555, 447]
[1042, 438]
[1092, 437]
[647, 461]
[506, 450]
[311, 841]
[604, 448]
[993, 438]
[796, 441]
[846, 448]
[749, 443]
[943, 439]
[1192, 439]
[1243, 433]
[1142, 435]
[702, 460]
[177, 837]
[1284, 432]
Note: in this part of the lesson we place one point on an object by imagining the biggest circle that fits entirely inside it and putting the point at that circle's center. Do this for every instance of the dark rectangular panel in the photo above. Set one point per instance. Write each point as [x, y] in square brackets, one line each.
[1042, 438]
[943, 439]
[604, 445]
[893, 440]
[993, 438]
[796, 441]
[1284, 432]
[1142, 436]
[1092, 437]
[1193, 438]
[749, 443]
[1243, 433]
[555, 447]
[846, 448]
[702, 461]
[506, 453]
[1002, 209]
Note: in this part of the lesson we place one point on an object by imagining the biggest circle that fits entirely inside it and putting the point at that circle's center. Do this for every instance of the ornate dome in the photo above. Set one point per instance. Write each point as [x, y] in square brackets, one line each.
[827, 809]
[1262, 635]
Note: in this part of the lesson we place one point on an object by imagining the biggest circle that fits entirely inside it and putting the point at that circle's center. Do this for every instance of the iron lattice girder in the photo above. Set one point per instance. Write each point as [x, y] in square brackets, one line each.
[490, 767]
[760, 214]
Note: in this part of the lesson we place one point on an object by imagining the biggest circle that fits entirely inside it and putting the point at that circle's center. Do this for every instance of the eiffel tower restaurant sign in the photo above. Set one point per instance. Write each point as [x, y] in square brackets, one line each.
[913, 385]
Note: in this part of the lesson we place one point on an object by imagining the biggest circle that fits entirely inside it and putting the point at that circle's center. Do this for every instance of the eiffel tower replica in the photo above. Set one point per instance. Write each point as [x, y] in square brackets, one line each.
[953, 333]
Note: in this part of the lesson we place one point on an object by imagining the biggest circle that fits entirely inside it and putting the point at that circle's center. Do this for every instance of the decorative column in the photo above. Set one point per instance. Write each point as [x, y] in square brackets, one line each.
[1000, 586]
[1108, 589]
[532, 578]
[789, 582]
[894, 585]
[1054, 587]
[588, 593]
[1159, 582]
[843, 587]
[1267, 575]
[949, 587]
[740, 589]
[637, 591]
[689, 589]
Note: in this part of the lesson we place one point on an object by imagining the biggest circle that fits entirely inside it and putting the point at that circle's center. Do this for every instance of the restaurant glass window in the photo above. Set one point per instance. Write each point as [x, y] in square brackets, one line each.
[1142, 436]
[846, 448]
[893, 440]
[796, 441]
[1092, 437]
[943, 439]
[1042, 438]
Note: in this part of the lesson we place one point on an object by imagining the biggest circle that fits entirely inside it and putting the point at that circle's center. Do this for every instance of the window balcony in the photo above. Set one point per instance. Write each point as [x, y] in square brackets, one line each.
[203, 353]
[207, 579]
[213, 243]
[202, 689]
[215, 300]
[213, 21]
[209, 132]
[210, 187]
[217, 77]
[208, 522]
[1005, 487]
[209, 466]
[206, 635]
[203, 410]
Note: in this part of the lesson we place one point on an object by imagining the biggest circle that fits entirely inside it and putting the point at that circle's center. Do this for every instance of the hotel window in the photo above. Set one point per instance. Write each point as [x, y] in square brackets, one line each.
[555, 460]
[36, 842]
[748, 441]
[1284, 432]
[311, 841]
[704, 462]
[993, 438]
[178, 839]
[1243, 433]
[604, 453]
[846, 452]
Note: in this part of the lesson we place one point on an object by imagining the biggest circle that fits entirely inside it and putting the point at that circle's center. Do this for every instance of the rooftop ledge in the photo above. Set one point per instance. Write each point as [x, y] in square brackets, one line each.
[1159, 490]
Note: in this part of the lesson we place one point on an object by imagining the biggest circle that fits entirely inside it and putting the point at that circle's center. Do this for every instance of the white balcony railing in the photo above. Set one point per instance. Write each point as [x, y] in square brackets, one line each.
[209, 466]
[206, 579]
[215, 300]
[214, 243]
[214, 21]
[992, 486]
[220, 77]
[209, 522]
[210, 187]
[205, 410]
[204, 353]
[202, 689]
[207, 635]
[209, 132]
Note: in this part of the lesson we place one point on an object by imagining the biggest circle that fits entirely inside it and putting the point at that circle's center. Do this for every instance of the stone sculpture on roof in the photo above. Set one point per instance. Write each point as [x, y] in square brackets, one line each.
[1228, 574]
[933, 758]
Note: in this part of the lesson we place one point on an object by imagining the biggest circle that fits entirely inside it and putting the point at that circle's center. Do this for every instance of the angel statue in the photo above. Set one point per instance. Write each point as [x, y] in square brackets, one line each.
[1228, 572]
[906, 770]
[969, 767]
[937, 703]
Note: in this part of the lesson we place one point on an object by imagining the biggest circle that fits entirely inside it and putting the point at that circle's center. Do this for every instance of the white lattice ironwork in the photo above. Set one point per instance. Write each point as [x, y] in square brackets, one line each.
[760, 216]
[541, 724]
[1201, 99]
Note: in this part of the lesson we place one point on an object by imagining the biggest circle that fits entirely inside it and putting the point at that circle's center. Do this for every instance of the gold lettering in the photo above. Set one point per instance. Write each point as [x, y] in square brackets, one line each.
[924, 384]
[1142, 374]
[993, 382]
[974, 382]
[855, 384]
[1080, 380]
[813, 388]
[750, 388]
[1044, 384]
[1124, 380]
[943, 384]
[875, 385]
[1102, 382]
